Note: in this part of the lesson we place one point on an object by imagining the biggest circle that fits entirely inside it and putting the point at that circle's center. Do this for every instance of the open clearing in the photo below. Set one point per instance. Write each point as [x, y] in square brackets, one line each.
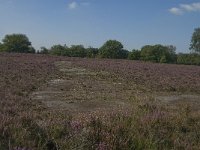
[80, 90]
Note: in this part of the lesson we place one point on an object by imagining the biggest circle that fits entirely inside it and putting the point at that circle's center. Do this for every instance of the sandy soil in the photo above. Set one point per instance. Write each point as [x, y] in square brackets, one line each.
[81, 90]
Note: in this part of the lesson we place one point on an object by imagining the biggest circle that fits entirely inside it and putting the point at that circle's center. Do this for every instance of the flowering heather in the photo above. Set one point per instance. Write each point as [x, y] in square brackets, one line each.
[30, 124]
[76, 126]
[160, 77]
[101, 146]
[21, 74]
[20, 148]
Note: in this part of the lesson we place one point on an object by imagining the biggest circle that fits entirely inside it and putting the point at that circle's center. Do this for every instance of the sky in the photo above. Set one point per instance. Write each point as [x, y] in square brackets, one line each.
[135, 23]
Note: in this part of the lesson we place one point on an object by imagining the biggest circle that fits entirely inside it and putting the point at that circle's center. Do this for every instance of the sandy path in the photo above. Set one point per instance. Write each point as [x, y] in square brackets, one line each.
[80, 90]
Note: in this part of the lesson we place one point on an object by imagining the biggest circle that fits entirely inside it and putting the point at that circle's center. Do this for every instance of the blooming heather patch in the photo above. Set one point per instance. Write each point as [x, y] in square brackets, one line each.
[160, 77]
[21, 74]
[27, 124]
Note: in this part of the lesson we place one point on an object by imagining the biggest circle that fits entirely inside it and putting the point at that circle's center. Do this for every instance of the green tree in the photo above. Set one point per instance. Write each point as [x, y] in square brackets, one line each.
[92, 52]
[123, 54]
[158, 53]
[147, 53]
[171, 54]
[1, 47]
[195, 41]
[32, 50]
[58, 50]
[111, 49]
[43, 50]
[17, 43]
[78, 51]
[134, 55]
[188, 59]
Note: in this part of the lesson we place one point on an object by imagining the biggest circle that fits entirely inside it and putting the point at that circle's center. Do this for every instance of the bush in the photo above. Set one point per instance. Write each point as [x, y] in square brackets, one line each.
[123, 54]
[134, 55]
[59, 50]
[77, 51]
[158, 53]
[43, 50]
[111, 49]
[16, 43]
[92, 52]
[188, 59]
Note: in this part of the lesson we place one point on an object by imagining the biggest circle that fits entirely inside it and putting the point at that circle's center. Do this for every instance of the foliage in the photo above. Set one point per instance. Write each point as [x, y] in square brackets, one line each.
[158, 53]
[188, 59]
[58, 50]
[92, 52]
[32, 50]
[195, 41]
[134, 55]
[77, 51]
[73, 51]
[123, 54]
[111, 49]
[43, 50]
[17, 43]
[1, 46]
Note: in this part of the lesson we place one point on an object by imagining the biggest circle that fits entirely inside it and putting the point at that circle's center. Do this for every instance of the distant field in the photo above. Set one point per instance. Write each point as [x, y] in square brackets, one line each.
[50, 102]
[160, 77]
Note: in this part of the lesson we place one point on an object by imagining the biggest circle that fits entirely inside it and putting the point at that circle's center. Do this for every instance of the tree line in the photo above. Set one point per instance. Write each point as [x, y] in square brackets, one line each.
[112, 49]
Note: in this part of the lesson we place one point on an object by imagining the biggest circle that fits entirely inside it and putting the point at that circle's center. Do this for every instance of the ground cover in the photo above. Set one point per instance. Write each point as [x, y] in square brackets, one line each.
[72, 103]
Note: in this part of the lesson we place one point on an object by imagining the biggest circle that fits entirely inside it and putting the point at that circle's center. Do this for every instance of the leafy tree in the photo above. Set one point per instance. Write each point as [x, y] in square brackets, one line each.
[163, 59]
[92, 52]
[147, 53]
[17, 43]
[195, 41]
[44, 50]
[32, 50]
[1, 47]
[158, 53]
[78, 51]
[123, 54]
[188, 59]
[58, 50]
[134, 55]
[111, 49]
[171, 54]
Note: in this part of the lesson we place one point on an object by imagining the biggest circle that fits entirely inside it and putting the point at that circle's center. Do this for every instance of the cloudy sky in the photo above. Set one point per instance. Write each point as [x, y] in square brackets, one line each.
[91, 22]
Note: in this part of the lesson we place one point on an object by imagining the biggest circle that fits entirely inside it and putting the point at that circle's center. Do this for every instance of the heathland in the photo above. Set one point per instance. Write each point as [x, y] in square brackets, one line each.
[55, 102]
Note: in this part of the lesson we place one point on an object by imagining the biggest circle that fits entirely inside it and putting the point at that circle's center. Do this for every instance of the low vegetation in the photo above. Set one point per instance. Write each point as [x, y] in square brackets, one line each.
[147, 124]
[159, 77]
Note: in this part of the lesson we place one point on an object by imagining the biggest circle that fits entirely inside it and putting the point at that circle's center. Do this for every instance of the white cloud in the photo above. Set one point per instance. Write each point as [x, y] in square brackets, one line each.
[183, 8]
[190, 7]
[186, 7]
[73, 5]
[176, 11]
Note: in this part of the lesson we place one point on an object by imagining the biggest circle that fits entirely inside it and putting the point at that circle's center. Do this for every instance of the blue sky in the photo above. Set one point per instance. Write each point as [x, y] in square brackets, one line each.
[91, 22]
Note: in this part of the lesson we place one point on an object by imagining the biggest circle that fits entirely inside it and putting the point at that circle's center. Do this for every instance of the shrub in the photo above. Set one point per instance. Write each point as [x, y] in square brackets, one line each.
[158, 53]
[134, 55]
[16, 43]
[111, 49]
[188, 59]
